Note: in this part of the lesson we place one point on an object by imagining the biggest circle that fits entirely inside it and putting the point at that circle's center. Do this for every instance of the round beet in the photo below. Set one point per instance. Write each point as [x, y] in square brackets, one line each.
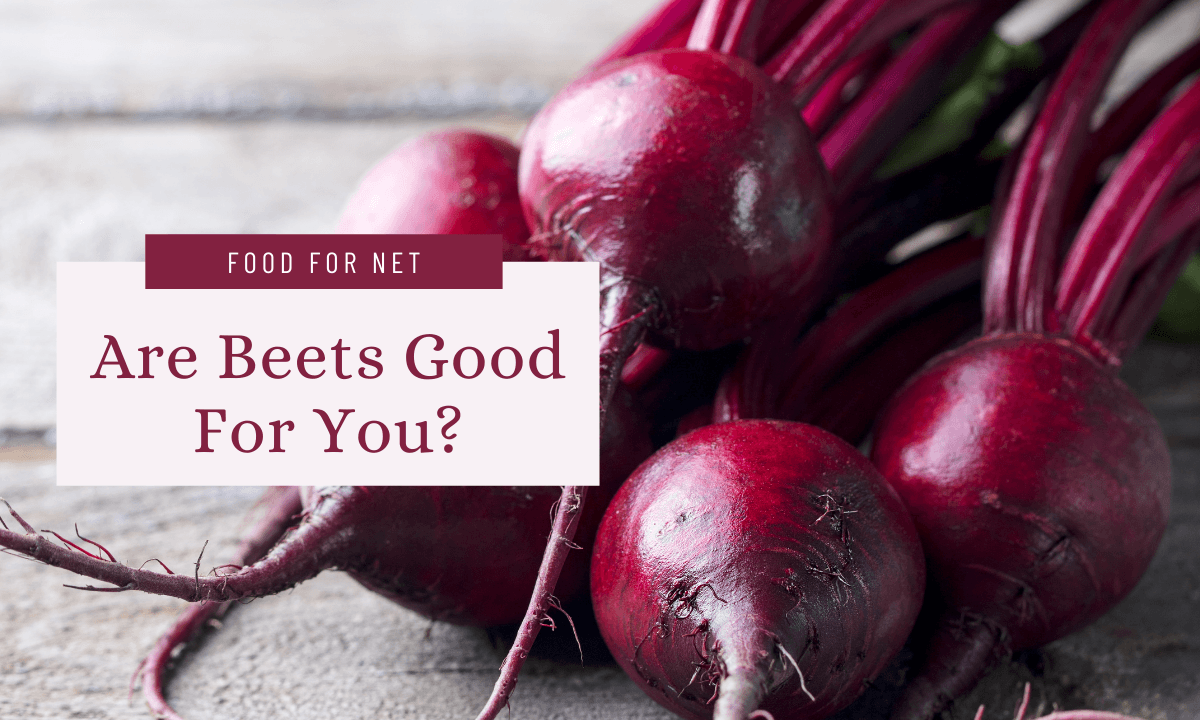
[457, 182]
[1039, 483]
[692, 179]
[756, 565]
[1040, 487]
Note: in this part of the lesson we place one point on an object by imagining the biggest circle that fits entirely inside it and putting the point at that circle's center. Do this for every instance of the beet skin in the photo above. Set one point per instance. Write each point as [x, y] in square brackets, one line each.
[1040, 487]
[756, 564]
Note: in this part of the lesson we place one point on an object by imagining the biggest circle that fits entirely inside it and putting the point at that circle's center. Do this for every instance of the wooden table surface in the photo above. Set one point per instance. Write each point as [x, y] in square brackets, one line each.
[120, 118]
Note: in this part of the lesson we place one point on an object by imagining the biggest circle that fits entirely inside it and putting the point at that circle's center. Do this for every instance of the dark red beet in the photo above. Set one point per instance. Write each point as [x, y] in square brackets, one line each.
[1040, 487]
[1038, 482]
[765, 563]
[692, 180]
[708, 215]
[457, 182]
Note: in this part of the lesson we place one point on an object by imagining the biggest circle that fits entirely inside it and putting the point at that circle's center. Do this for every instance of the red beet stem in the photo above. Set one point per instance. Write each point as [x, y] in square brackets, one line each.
[778, 378]
[872, 312]
[838, 29]
[1148, 292]
[783, 19]
[1127, 120]
[742, 33]
[1180, 214]
[848, 407]
[899, 16]
[821, 45]
[730, 26]
[566, 518]
[1097, 270]
[1018, 278]
[305, 553]
[958, 182]
[898, 95]
[710, 24]
[829, 101]
[653, 32]
[282, 506]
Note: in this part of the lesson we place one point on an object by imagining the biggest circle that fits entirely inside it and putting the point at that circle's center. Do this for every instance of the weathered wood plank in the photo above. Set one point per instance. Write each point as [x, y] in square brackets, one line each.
[224, 58]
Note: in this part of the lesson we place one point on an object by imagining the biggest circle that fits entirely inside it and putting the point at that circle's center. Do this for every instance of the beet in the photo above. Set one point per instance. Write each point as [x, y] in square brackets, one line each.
[691, 177]
[456, 182]
[706, 216]
[1039, 484]
[756, 565]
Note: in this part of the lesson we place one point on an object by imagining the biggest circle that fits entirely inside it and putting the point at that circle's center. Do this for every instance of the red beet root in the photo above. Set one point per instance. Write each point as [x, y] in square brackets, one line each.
[692, 180]
[457, 182]
[756, 565]
[1040, 487]
[706, 216]
[1038, 482]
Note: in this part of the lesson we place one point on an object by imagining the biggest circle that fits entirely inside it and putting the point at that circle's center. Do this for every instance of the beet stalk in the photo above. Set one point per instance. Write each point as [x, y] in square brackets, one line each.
[782, 383]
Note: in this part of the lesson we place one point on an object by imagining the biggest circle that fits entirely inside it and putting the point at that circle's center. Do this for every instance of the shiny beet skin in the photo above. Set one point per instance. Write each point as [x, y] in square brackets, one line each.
[1040, 487]
[1039, 484]
[457, 182]
[691, 177]
[743, 546]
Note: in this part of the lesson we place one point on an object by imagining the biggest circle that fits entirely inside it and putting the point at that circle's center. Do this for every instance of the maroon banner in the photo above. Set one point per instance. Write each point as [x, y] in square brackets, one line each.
[294, 262]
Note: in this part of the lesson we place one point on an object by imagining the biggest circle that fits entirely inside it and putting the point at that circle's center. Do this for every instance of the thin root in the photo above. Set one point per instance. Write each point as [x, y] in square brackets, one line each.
[73, 546]
[1024, 705]
[796, 665]
[557, 605]
[160, 562]
[92, 588]
[202, 549]
[135, 681]
[93, 542]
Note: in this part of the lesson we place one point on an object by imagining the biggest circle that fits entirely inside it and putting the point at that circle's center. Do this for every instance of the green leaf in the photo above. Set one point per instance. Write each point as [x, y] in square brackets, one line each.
[952, 121]
[1179, 318]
